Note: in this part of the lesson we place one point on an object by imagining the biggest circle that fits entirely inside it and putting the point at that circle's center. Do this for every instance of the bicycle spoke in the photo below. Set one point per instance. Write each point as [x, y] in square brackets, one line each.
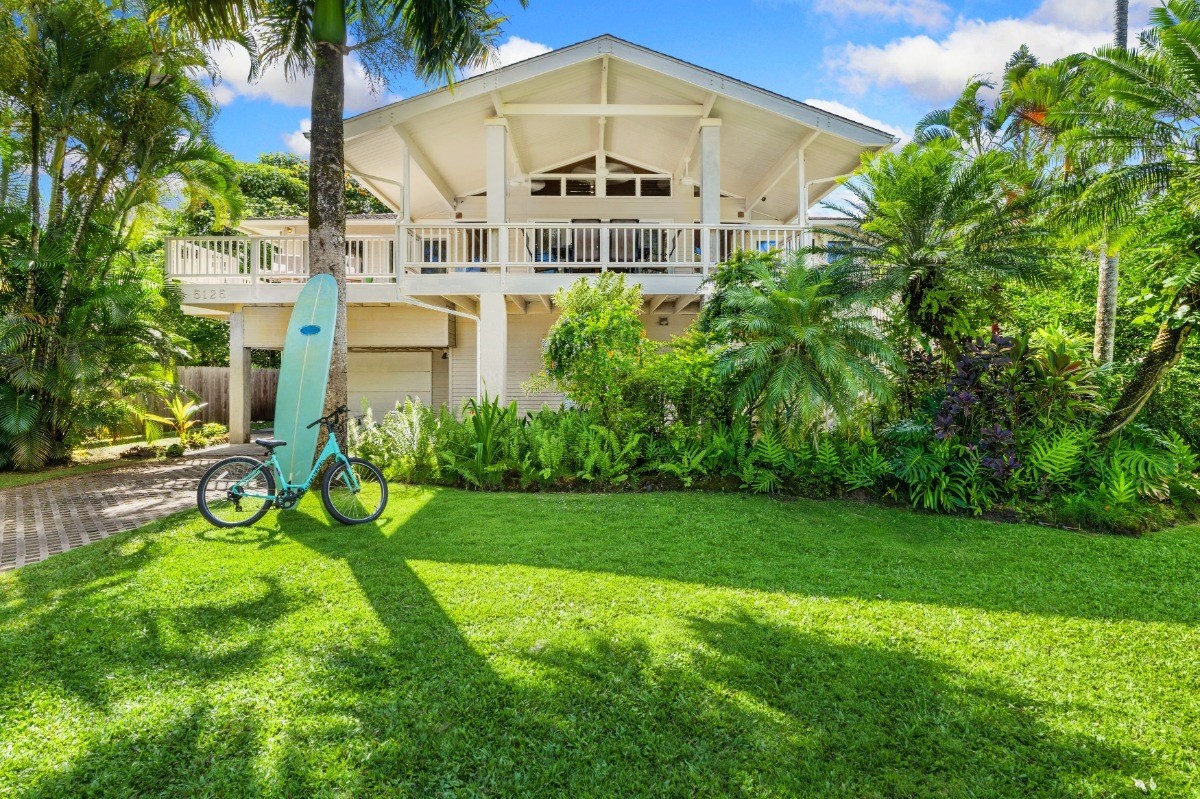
[352, 502]
[226, 494]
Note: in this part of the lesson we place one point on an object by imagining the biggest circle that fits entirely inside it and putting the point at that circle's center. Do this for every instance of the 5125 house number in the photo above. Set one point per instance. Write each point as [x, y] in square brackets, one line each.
[197, 293]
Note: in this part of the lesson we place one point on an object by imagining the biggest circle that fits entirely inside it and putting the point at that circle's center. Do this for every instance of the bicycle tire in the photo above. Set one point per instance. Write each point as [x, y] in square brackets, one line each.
[368, 482]
[203, 501]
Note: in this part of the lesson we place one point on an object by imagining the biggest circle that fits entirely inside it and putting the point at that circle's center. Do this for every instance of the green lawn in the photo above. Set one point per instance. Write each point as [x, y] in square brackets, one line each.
[14, 479]
[584, 645]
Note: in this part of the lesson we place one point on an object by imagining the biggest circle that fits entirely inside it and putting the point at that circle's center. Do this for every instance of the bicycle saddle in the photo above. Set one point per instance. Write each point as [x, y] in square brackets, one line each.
[270, 443]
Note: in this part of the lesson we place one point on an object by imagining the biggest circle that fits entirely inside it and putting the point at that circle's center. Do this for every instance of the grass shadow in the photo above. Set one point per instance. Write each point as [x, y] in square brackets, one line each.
[819, 548]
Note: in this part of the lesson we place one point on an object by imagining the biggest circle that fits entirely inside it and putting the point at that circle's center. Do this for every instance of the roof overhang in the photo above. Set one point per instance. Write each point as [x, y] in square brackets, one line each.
[651, 106]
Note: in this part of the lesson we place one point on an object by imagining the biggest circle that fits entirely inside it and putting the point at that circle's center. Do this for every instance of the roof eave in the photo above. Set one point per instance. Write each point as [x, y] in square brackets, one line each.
[723, 85]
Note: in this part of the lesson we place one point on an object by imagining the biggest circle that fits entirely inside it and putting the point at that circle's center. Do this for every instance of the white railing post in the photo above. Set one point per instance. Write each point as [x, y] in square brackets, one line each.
[706, 248]
[400, 252]
[502, 232]
[255, 245]
[605, 240]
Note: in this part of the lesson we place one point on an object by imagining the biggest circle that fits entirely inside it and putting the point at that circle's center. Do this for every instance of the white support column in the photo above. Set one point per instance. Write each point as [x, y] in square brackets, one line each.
[493, 346]
[406, 190]
[239, 380]
[802, 198]
[710, 186]
[496, 151]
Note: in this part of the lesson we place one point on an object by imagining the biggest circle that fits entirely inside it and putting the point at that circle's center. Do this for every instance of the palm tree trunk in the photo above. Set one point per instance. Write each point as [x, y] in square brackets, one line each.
[85, 219]
[1106, 307]
[1106, 290]
[326, 181]
[1164, 353]
[57, 177]
[35, 200]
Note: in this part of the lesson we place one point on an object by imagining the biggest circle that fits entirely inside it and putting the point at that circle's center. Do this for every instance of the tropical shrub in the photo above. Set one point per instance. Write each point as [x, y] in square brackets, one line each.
[801, 343]
[598, 344]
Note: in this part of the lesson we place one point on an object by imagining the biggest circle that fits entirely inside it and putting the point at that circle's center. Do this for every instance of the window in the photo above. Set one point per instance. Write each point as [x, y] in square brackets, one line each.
[579, 180]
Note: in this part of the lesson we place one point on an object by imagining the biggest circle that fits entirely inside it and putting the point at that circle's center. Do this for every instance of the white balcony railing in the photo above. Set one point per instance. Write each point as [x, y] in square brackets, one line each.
[462, 249]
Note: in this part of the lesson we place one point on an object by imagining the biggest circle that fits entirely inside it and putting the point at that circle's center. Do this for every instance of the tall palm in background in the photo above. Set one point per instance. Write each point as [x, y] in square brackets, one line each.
[980, 125]
[943, 233]
[1109, 264]
[433, 38]
[1145, 116]
[117, 100]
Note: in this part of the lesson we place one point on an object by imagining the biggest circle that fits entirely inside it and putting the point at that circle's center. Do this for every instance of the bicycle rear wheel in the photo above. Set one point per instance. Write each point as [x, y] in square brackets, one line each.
[350, 505]
[221, 495]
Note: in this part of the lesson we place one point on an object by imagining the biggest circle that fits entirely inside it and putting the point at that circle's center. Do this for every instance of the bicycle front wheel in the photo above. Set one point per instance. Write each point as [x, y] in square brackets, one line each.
[356, 495]
[222, 494]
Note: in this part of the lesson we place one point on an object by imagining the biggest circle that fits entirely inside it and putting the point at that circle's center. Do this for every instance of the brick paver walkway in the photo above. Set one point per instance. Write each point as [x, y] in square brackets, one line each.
[43, 519]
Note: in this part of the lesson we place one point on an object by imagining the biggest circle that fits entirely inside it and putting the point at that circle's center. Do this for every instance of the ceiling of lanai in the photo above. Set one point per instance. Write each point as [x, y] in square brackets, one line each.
[761, 132]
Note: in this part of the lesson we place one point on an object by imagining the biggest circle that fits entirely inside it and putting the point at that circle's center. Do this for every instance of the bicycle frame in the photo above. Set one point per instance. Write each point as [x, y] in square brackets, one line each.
[330, 450]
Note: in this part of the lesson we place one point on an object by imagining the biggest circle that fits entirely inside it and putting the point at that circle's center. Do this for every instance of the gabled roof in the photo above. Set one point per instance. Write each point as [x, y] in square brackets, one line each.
[607, 44]
[762, 132]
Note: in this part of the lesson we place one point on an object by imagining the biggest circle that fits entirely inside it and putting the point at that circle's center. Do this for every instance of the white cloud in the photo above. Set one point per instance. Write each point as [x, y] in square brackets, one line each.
[514, 50]
[273, 84]
[925, 14]
[1091, 14]
[843, 110]
[935, 69]
[296, 141]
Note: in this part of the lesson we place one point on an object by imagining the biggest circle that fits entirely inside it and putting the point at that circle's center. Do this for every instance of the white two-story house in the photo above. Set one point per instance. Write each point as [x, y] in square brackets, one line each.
[601, 156]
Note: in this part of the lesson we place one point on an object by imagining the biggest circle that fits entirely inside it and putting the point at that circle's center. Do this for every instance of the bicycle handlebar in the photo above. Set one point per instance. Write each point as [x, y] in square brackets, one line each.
[330, 419]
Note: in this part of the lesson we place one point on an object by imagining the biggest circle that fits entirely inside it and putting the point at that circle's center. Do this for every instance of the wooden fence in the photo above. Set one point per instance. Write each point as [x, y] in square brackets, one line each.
[211, 383]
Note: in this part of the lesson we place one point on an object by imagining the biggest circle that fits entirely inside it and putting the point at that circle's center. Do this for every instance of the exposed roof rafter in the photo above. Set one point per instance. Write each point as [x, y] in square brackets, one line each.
[619, 49]
[425, 165]
[694, 137]
[776, 173]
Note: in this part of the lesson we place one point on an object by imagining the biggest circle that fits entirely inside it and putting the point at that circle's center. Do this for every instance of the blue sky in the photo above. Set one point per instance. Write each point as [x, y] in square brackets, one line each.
[881, 61]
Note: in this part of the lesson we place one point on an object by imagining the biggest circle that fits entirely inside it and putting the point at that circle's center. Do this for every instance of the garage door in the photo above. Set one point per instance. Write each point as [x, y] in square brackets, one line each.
[385, 378]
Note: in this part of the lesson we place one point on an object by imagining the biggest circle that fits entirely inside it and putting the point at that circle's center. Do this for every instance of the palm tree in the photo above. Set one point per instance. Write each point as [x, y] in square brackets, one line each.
[979, 125]
[1144, 117]
[435, 38]
[1109, 264]
[942, 233]
[80, 307]
[804, 342]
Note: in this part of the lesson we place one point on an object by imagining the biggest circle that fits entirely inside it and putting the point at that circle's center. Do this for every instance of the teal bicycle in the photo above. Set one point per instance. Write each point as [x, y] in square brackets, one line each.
[237, 491]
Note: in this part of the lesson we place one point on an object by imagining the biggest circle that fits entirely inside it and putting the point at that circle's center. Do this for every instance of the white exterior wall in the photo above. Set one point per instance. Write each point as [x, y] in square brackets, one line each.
[462, 365]
[525, 335]
[440, 376]
[676, 324]
[367, 327]
[386, 378]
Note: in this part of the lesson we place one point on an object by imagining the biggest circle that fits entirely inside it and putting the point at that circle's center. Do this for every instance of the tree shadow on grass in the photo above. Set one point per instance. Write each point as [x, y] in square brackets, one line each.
[818, 548]
[88, 626]
[745, 708]
[191, 752]
[736, 706]
[760, 708]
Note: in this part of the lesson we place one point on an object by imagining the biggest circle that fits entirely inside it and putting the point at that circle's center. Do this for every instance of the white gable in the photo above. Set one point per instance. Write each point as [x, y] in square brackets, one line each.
[444, 129]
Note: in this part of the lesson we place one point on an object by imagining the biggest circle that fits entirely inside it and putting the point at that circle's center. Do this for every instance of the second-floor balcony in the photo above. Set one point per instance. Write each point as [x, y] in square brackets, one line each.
[519, 258]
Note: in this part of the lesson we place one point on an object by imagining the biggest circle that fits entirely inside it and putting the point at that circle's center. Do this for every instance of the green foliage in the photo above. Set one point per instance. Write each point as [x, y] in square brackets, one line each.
[181, 413]
[82, 324]
[802, 343]
[598, 344]
[946, 234]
